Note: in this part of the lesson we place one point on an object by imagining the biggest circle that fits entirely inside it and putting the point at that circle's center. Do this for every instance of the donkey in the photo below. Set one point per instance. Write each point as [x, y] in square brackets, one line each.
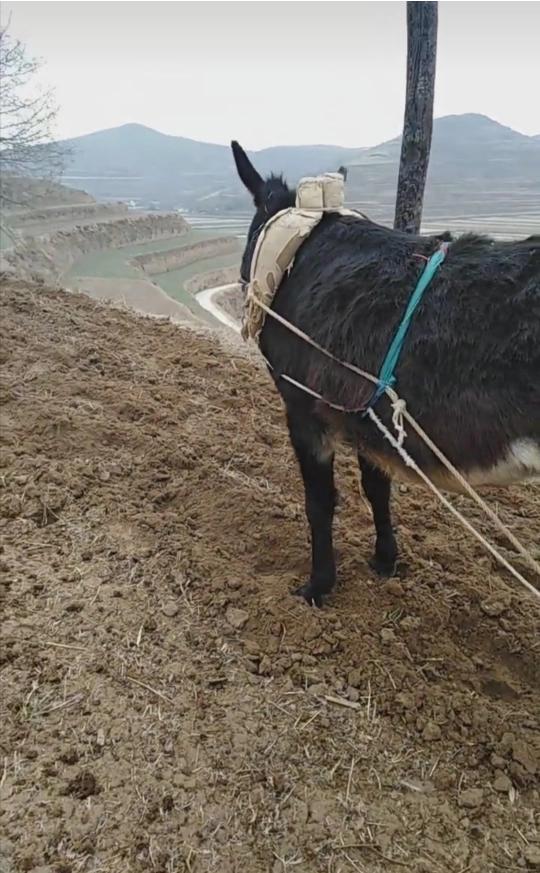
[469, 370]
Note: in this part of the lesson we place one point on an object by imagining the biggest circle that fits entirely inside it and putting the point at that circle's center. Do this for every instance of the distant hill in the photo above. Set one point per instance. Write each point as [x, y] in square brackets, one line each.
[137, 162]
[476, 164]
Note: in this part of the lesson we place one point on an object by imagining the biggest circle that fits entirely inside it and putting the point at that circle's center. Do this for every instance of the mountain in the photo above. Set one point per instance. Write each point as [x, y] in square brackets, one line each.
[477, 167]
[136, 150]
[473, 158]
[137, 162]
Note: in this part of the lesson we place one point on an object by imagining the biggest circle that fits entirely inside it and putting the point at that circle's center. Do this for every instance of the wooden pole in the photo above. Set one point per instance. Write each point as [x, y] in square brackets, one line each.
[418, 122]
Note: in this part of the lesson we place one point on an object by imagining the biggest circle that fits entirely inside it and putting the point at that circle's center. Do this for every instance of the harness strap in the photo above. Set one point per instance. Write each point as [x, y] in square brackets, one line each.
[387, 376]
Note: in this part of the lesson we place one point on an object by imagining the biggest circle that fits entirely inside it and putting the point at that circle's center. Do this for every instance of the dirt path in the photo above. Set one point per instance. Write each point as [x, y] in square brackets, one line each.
[206, 300]
[167, 705]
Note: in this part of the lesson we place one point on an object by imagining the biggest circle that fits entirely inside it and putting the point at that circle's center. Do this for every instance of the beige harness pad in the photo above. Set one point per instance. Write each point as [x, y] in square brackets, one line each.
[280, 239]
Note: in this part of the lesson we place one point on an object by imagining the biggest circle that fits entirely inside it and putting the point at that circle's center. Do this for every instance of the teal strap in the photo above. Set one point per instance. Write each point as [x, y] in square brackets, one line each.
[387, 376]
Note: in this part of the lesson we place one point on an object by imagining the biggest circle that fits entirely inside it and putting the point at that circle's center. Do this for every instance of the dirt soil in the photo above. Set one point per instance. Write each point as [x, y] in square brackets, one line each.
[167, 704]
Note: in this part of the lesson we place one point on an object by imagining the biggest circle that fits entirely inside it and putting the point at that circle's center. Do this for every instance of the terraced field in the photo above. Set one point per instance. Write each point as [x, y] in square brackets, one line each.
[522, 222]
[174, 281]
[116, 265]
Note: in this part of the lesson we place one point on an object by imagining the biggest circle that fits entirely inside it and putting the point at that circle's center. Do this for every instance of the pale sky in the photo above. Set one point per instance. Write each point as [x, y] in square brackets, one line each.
[276, 73]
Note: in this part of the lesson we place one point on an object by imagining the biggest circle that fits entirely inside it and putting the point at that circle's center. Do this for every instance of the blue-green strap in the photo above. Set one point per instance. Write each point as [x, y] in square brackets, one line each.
[387, 376]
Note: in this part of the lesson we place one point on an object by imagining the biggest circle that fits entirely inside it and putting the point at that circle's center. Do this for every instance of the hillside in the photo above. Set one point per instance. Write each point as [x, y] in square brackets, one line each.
[477, 166]
[167, 704]
[152, 261]
[469, 152]
[36, 208]
[23, 193]
[51, 256]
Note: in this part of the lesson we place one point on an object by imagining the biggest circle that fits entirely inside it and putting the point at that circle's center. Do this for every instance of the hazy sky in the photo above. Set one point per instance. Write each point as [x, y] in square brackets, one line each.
[269, 73]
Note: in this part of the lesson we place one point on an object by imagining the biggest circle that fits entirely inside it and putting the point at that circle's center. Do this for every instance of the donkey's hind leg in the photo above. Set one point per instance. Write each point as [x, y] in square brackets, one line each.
[377, 487]
[316, 459]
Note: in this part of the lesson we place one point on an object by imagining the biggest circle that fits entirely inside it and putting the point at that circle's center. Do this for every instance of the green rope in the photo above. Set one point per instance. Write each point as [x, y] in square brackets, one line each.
[387, 376]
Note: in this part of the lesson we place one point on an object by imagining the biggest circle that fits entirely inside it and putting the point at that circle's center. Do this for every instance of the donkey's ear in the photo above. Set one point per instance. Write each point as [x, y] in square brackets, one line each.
[246, 170]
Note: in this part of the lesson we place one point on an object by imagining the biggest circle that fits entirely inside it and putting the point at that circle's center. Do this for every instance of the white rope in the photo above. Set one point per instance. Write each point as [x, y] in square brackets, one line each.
[400, 413]
[410, 462]
[397, 420]
[472, 493]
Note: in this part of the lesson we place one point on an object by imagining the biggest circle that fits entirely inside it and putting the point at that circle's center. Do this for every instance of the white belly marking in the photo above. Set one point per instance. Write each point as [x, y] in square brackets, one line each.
[521, 464]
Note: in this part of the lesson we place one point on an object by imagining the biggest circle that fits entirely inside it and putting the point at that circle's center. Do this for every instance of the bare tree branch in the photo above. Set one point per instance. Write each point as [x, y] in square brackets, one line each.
[27, 119]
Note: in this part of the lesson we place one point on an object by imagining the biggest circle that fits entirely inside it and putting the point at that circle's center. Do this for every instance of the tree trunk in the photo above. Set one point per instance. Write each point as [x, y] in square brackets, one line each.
[418, 122]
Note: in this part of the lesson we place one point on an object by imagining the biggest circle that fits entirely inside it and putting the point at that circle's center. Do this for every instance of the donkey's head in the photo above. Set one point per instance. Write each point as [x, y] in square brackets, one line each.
[269, 196]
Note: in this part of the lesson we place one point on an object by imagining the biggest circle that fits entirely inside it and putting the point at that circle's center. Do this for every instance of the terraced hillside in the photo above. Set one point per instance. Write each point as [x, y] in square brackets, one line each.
[169, 264]
[153, 262]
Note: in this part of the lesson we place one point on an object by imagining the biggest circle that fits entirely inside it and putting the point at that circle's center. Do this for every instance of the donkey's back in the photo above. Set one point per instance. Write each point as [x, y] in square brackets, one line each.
[470, 365]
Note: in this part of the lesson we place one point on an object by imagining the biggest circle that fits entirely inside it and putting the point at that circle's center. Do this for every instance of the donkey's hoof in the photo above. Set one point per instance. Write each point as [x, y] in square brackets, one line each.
[383, 568]
[314, 598]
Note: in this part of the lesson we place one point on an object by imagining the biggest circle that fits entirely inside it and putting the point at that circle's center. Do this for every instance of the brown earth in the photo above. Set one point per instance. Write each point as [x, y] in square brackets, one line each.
[167, 704]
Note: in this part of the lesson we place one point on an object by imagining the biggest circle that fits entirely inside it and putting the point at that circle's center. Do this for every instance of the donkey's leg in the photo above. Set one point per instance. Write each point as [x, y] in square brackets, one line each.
[316, 459]
[377, 485]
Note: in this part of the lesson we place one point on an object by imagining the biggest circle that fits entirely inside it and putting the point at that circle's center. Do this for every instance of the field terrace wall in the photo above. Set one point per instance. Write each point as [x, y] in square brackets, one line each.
[49, 257]
[213, 278]
[85, 213]
[154, 263]
[231, 301]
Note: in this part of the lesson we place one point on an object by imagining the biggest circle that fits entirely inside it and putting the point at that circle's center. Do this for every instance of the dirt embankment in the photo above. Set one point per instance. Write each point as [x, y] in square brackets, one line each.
[232, 302]
[24, 193]
[48, 257]
[213, 279]
[86, 213]
[164, 262]
[167, 704]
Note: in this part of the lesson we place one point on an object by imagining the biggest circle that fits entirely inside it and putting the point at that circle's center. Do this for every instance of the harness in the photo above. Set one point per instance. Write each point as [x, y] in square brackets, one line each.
[280, 239]
[387, 377]
[275, 251]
